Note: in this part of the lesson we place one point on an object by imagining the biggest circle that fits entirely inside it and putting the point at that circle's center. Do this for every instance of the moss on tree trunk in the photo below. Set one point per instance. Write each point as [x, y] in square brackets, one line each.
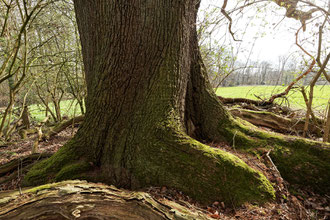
[149, 106]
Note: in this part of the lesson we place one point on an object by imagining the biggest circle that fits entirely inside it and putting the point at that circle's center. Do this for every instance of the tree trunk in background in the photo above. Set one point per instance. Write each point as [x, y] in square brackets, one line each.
[148, 102]
[326, 135]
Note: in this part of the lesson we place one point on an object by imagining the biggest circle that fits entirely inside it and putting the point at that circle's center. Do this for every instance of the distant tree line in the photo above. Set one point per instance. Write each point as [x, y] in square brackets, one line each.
[261, 73]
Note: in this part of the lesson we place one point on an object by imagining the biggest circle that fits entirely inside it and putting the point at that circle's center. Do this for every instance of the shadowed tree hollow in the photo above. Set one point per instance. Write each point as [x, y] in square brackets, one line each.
[149, 106]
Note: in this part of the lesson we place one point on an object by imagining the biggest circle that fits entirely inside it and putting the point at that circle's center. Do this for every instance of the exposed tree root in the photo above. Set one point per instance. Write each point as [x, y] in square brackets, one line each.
[177, 161]
[15, 174]
[18, 167]
[286, 206]
[22, 162]
[300, 161]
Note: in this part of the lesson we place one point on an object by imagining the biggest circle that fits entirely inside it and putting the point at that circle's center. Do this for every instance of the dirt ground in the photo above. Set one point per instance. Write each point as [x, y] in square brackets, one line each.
[291, 202]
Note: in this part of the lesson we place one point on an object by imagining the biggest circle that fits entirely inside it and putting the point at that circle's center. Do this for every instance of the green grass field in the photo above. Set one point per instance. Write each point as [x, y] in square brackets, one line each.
[295, 98]
[68, 107]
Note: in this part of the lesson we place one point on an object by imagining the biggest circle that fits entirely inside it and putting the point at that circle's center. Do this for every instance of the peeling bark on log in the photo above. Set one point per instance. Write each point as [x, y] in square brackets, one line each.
[277, 123]
[81, 200]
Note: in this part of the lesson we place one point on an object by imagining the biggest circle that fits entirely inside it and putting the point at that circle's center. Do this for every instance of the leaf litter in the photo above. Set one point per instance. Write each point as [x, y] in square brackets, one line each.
[291, 201]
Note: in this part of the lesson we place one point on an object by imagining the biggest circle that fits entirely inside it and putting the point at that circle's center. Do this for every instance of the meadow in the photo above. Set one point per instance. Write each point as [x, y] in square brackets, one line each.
[294, 100]
[69, 108]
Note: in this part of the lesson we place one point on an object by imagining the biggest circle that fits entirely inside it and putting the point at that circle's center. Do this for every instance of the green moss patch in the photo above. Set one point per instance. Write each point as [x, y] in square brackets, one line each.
[47, 170]
[72, 171]
[206, 174]
[300, 161]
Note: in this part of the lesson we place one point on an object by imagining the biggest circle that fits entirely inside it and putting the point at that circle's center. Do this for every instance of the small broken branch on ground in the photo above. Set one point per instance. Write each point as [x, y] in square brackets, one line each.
[39, 136]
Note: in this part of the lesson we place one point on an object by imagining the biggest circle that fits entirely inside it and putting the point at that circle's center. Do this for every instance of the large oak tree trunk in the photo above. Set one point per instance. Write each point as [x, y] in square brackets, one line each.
[139, 59]
[148, 103]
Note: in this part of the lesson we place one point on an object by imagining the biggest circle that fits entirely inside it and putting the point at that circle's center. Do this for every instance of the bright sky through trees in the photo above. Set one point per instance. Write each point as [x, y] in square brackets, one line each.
[269, 33]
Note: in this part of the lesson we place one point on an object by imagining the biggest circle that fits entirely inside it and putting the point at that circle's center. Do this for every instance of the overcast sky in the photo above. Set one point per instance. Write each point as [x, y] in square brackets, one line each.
[279, 38]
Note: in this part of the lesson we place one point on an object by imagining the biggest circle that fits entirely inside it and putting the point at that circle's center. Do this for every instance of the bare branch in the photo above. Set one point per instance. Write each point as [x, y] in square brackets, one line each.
[293, 12]
[223, 11]
[315, 6]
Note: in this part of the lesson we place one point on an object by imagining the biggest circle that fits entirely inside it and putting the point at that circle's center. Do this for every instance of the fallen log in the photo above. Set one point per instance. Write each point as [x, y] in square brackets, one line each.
[46, 134]
[275, 122]
[62, 126]
[244, 100]
[82, 200]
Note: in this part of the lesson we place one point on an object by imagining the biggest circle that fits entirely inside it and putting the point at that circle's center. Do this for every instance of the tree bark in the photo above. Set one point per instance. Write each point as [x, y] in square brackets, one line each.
[138, 63]
[82, 200]
[326, 135]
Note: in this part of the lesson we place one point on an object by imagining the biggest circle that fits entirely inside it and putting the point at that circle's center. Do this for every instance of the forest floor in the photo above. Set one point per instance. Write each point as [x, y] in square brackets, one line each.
[291, 202]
